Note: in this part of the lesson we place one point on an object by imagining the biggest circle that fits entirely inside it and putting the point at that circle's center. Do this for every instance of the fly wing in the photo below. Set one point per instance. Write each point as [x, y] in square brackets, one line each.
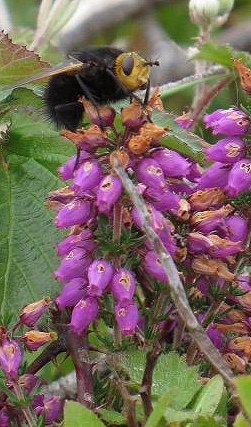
[71, 66]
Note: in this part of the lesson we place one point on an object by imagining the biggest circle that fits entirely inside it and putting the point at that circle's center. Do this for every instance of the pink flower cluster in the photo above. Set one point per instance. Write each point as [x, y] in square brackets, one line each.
[188, 207]
[11, 361]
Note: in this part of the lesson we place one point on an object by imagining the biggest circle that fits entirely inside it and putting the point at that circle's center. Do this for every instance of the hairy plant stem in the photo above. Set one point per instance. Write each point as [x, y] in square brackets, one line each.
[78, 347]
[49, 354]
[205, 97]
[27, 413]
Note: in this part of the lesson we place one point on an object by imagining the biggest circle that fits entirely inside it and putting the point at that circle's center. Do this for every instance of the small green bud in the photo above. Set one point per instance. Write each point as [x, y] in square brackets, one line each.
[204, 11]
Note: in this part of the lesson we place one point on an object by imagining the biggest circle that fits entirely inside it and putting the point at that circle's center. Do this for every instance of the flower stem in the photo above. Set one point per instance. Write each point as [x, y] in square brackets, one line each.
[79, 352]
[31, 421]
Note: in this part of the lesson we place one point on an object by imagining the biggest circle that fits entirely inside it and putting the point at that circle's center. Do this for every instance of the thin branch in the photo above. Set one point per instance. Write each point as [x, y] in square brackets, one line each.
[206, 97]
[214, 71]
[78, 347]
[49, 354]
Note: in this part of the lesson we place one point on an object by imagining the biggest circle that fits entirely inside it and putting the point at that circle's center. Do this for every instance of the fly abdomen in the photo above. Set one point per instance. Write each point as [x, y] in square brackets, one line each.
[61, 97]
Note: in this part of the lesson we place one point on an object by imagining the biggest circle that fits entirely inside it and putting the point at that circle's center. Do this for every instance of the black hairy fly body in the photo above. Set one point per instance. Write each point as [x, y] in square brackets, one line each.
[100, 74]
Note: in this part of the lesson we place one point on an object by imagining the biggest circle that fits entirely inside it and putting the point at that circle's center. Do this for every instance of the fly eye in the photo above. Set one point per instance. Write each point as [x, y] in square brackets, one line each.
[127, 65]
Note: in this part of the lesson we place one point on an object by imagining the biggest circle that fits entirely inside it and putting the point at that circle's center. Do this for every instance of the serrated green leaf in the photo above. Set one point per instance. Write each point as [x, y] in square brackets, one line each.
[170, 375]
[112, 418]
[221, 54]
[28, 160]
[209, 397]
[76, 415]
[158, 411]
[16, 63]
[243, 385]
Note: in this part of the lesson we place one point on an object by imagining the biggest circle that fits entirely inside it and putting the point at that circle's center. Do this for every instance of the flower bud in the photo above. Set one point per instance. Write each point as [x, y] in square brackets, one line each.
[215, 336]
[127, 317]
[184, 121]
[71, 294]
[214, 176]
[109, 192]
[78, 212]
[231, 122]
[228, 150]
[67, 170]
[171, 163]
[123, 285]
[10, 357]
[4, 417]
[84, 240]
[31, 313]
[239, 179]
[35, 339]
[203, 12]
[73, 265]
[48, 407]
[166, 200]
[28, 382]
[83, 314]
[87, 176]
[237, 228]
[100, 273]
[152, 265]
[102, 116]
[149, 172]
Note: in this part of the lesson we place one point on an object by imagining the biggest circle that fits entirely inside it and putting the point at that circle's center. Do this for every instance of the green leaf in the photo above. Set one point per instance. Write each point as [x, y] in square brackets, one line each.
[171, 375]
[185, 142]
[16, 63]
[76, 415]
[243, 385]
[210, 396]
[112, 418]
[241, 421]
[221, 54]
[158, 411]
[208, 422]
[29, 156]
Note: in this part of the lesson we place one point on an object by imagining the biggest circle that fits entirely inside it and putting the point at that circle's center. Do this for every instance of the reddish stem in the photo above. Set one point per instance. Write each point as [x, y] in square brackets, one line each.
[79, 352]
